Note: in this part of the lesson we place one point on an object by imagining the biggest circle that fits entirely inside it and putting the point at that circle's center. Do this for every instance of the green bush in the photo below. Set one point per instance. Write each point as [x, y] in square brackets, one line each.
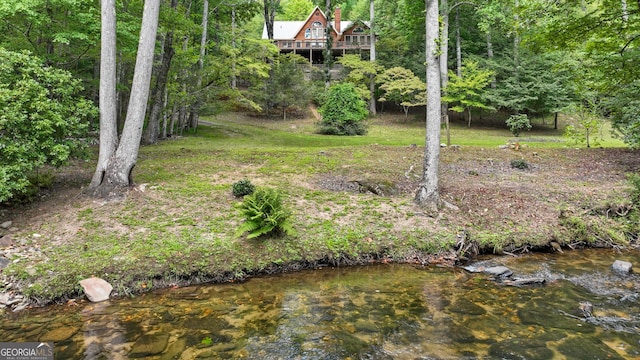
[242, 188]
[44, 119]
[264, 213]
[344, 112]
[521, 164]
[517, 123]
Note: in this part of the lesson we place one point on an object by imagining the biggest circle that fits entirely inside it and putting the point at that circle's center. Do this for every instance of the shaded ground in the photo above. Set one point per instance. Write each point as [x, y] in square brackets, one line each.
[359, 198]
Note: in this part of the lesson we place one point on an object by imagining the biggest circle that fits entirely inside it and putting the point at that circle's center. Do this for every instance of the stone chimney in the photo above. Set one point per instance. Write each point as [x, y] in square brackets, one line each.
[337, 19]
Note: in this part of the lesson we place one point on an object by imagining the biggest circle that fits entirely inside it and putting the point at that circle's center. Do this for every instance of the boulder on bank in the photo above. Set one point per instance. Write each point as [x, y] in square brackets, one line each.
[96, 289]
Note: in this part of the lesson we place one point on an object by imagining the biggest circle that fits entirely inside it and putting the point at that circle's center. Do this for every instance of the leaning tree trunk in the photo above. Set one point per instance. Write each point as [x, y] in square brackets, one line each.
[118, 174]
[108, 107]
[427, 194]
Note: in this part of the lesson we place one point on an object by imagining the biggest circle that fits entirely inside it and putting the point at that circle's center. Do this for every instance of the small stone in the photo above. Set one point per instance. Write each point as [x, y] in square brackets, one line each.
[623, 267]
[96, 289]
[148, 345]
[6, 224]
[4, 262]
[31, 270]
[6, 241]
[4, 298]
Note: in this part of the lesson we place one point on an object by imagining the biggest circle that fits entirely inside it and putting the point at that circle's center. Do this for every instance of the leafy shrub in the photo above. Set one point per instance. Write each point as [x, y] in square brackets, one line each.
[264, 214]
[242, 188]
[521, 164]
[43, 120]
[344, 112]
[517, 123]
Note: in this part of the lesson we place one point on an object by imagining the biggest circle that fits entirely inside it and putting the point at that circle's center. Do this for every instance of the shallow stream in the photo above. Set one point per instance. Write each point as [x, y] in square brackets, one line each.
[372, 312]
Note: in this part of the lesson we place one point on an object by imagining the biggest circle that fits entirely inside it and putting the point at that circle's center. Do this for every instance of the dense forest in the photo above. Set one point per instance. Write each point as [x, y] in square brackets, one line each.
[513, 60]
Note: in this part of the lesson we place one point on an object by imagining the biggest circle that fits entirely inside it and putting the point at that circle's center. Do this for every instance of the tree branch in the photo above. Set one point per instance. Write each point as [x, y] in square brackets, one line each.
[462, 3]
[629, 43]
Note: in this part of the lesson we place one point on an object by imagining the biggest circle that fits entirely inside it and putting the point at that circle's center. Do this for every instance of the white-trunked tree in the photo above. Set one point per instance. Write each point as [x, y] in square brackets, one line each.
[117, 159]
[428, 195]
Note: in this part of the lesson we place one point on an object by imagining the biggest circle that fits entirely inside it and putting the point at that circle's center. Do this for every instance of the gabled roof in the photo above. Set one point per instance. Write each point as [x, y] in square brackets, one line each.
[287, 30]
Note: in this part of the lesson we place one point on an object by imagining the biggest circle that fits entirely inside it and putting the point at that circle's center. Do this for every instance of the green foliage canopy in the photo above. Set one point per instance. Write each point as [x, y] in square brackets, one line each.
[402, 87]
[295, 9]
[467, 91]
[43, 119]
[359, 73]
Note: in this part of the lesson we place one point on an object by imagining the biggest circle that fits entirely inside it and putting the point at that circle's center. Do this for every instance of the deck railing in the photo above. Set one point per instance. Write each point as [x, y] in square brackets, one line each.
[321, 44]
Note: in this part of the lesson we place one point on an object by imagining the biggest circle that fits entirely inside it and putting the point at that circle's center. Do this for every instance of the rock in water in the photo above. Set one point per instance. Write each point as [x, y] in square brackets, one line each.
[96, 289]
[623, 267]
[498, 271]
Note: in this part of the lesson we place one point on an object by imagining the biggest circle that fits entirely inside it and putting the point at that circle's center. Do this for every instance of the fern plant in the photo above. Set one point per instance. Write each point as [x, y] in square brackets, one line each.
[264, 214]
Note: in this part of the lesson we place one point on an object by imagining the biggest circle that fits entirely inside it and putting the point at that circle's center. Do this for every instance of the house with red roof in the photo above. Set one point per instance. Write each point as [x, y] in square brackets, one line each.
[308, 38]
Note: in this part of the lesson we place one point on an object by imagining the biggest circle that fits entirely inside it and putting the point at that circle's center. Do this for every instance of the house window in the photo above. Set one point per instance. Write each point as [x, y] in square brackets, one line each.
[307, 34]
[358, 30]
[347, 39]
[317, 30]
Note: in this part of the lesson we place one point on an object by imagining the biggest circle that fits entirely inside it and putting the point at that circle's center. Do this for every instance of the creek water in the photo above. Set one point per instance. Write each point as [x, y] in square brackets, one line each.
[371, 312]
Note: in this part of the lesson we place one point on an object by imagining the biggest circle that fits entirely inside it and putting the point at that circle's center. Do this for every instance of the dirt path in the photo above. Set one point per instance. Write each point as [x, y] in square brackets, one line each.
[315, 112]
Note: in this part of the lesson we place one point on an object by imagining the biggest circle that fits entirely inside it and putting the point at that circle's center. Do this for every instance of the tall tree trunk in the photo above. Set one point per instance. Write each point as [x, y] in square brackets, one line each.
[458, 45]
[490, 56]
[195, 110]
[233, 46]
[625, 12]
[118, 174]
[516, 39]
[157, 97]
[270, 8]
[328, 56]
[121, 95]
[444, 63]
[165, 115]
[108, 104]
[372, 78]
[427, 195]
